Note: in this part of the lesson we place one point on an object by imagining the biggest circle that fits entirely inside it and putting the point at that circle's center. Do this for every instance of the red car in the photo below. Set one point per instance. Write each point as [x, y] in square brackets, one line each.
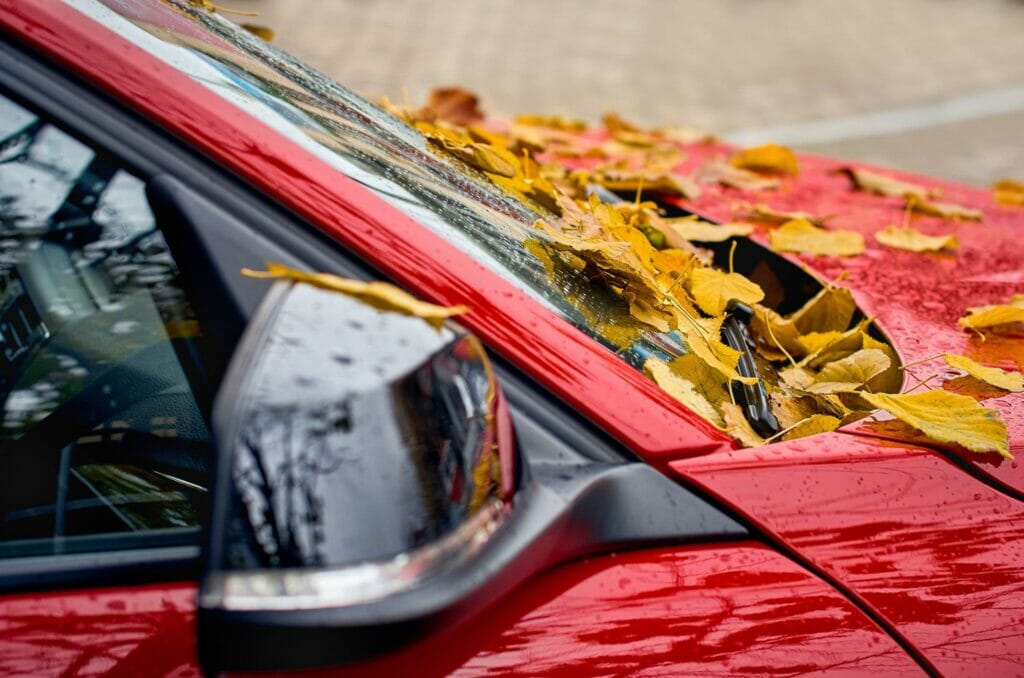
[199, 474]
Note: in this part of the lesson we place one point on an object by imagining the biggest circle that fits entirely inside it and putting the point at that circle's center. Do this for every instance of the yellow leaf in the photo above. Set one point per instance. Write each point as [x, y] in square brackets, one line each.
[769, 158]
[553, 121]
[380, 295]
[1008, 192]
[948, 418]
[912, 240]
[889, 380]
[995, 315]
[830, 310]
[738, 427]
[262, 32]
[817, 423]
[715, 354]
[845, 344]
[802, 236]
[879, 184]
[717, 171]
[701, 231]
[1008, 381]
[946, 210]
[814, 341]
[662, 182]
[706, 380]
[682, 390]
[713, 289]
[850, 373]
[768, 215]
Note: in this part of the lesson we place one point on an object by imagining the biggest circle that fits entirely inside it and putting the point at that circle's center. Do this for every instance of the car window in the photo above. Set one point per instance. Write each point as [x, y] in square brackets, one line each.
[384, 154]
[103, 442]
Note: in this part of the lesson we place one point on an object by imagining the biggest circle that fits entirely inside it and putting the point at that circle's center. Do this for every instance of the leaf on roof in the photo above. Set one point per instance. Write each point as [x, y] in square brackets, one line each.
[768, 159]
[380, 295]
[802, 236]
[912, 240]
[948, 418]
[946, 210]
[718, 171]
[1008, 381]
[1008, 192]
[880, 184]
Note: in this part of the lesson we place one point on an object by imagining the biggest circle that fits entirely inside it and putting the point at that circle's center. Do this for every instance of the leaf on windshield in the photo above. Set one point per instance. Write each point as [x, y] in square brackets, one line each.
[995, 316]
[802, 236]
[1008, 192]
[682, 390]
[690, 229]
[850, 373]
[768, 159]
[737, 426]
[880, 184]
[1007, 381]
[946, 210]
[816, 423]
[912, 240]
[718, 171]
[713, 289]
[948, 418]
[380, 295]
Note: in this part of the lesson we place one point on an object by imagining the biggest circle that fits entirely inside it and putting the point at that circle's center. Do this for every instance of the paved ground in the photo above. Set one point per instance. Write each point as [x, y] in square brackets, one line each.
[934, 86]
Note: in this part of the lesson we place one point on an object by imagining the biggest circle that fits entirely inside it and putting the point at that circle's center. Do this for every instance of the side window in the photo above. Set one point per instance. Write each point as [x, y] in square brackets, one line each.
[103, 442]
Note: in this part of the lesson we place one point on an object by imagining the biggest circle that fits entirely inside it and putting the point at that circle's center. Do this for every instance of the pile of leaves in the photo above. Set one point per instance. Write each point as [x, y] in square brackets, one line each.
[826, 370]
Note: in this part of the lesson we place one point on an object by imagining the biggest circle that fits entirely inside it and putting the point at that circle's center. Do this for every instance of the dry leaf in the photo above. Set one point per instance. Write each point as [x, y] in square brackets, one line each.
[738, 427]
[995, 315]
[1008, 381]
[769, 159]
[879, 184]
[713, 289]
[850, 373]
[380, 295]
[766, 214]
[717, 171]
[553, 121]
[682, 390]
[1008, 192]
[830, 310]
[817, 423]
[912, 240]
[262, 32]
[946, 210]
[690, 229]
[802, 236]
[948, 418]
[661, 182]
[455, 105]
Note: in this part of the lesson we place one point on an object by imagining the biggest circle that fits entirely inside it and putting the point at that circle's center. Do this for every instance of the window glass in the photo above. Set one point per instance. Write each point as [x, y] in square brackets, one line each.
[103, 444]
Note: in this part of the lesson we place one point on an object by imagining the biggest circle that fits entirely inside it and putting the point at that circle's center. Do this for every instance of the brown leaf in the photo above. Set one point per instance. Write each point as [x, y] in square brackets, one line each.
[1008, 192]
[455, 105]
[768, 159]
[1008, 381]
[717, 171]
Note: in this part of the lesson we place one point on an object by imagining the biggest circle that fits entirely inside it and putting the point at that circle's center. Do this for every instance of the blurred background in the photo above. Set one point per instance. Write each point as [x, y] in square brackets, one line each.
[930, 86]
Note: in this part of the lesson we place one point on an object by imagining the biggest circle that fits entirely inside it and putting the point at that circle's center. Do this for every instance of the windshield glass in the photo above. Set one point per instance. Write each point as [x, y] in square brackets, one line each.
[384, 154]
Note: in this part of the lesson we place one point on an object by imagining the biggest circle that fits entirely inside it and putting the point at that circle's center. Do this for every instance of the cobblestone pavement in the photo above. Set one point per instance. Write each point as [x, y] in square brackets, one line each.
[750, 68]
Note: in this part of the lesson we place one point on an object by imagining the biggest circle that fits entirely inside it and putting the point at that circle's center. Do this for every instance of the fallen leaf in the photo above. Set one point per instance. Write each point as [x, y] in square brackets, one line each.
[802, 236]
[717, 171]
[689, 229]
[767, 215]
[946, 210]
[455, 105]
[661, 182]
[262, 32]
[879, 184]
[1008, 192]
[850, 373]
[738, 427]
[831, 309]
[975, 388]
[979, 317]
[1008, 381]
[682, 390]
[552, 121]
[817, 423]
[380, 295]
[912, 240]
[768, 158]
[713, 289]
[948, 418]
[707, 381]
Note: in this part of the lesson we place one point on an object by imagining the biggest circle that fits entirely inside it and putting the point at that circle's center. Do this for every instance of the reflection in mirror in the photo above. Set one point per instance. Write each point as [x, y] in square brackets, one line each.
[363, 453]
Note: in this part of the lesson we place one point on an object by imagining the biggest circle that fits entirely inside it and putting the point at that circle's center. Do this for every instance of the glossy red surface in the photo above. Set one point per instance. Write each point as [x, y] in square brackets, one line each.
[937, 553]
[594, 381]
[126, 632]
[717, 610]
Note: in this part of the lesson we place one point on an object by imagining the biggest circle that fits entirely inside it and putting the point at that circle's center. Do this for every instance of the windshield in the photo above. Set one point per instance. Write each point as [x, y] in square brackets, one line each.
[383, 154]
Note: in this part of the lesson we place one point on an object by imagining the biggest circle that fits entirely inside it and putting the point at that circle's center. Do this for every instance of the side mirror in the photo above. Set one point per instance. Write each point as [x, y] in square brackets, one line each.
[368, 490]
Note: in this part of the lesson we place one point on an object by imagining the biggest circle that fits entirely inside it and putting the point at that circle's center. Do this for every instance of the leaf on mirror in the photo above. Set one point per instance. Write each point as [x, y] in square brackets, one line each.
[1008, 192]
[690, 229]
[768, 159]
[948, 418]
[682, 390]
[1008, 381]
[713, 289]
[879, 184]
[995, 315]
[804, 237]
[380, 295]
[946, 210]
[912, 240]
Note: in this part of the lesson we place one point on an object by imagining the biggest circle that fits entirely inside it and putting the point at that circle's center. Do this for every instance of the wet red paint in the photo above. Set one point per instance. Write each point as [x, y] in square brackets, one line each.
[722, 609]
[148, 630]
[935, 552]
